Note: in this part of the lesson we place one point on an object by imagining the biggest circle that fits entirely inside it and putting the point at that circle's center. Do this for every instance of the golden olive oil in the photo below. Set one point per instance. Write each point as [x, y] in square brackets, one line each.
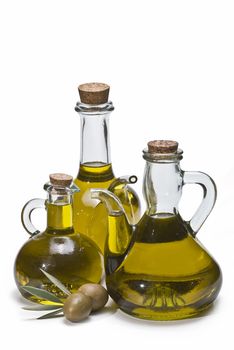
[89, 218]
[70, 257]
[166, 273]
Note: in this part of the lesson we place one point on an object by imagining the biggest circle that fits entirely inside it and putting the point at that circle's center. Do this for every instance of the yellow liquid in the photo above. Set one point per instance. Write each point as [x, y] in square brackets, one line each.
[59, 216]
[71, 258]
[89, 218]
[166, 275]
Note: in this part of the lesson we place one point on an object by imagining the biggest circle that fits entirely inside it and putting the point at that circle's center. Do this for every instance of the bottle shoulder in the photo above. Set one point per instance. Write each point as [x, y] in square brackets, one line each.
[161, 228]
[46, 242]
[95, 173]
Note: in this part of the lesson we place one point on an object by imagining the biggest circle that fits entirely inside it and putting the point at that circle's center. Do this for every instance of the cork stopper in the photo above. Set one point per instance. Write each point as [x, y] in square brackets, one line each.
[94, 93]
[61, 180]
[162, 146]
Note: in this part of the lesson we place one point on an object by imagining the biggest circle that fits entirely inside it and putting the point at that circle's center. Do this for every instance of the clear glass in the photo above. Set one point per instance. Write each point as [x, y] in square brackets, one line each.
[96, 171]
[158, 269]
[162, 188]
[94, 136]
[69, 256]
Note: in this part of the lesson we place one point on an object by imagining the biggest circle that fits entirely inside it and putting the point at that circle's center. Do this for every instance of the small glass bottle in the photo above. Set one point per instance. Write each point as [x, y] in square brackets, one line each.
[70, 257]
[95, 166]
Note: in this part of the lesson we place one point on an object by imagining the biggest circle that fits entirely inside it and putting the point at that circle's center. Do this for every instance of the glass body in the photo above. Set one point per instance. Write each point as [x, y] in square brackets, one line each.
[158, 269]
[70, 257]
[95, 171]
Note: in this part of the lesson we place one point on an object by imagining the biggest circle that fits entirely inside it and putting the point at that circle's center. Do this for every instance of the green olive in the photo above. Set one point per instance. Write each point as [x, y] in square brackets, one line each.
[77, 307]
[97, 293]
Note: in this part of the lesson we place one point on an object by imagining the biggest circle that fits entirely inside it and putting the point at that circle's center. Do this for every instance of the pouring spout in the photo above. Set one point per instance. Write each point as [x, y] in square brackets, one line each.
[111, 201]
[119, 229]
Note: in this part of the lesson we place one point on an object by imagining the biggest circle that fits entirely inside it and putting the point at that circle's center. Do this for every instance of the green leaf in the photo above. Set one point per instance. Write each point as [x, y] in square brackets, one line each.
[41, 293]
[52, 314]
[40, 307]
[55, 281]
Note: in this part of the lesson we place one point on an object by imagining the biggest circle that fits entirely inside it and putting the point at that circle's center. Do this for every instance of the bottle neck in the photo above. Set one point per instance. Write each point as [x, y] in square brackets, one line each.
[59, 212]
[162, 187]
[94, 139]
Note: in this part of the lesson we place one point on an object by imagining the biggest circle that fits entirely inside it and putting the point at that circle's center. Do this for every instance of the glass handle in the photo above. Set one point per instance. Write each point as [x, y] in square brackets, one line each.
[26, 215]
[209, 197]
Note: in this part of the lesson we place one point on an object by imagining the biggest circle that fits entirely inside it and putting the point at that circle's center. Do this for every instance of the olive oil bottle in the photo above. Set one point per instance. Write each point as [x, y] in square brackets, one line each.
[70, 257]
[157, 269]
[167, 274]
[95, 165]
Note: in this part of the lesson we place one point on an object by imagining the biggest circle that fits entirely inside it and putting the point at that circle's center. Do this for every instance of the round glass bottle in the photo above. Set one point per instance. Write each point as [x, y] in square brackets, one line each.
[70, 257]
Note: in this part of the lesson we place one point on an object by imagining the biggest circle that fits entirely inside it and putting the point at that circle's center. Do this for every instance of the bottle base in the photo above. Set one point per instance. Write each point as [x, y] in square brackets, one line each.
[175, 315]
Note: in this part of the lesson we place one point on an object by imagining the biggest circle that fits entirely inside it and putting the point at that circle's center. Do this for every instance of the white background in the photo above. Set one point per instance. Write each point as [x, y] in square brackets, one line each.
[170, 65]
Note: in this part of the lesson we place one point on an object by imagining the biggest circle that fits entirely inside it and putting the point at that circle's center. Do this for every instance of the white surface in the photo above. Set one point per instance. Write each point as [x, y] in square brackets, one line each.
[170, 67]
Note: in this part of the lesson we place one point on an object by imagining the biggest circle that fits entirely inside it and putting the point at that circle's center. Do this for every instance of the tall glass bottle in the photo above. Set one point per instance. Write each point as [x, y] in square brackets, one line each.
[95, 165]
